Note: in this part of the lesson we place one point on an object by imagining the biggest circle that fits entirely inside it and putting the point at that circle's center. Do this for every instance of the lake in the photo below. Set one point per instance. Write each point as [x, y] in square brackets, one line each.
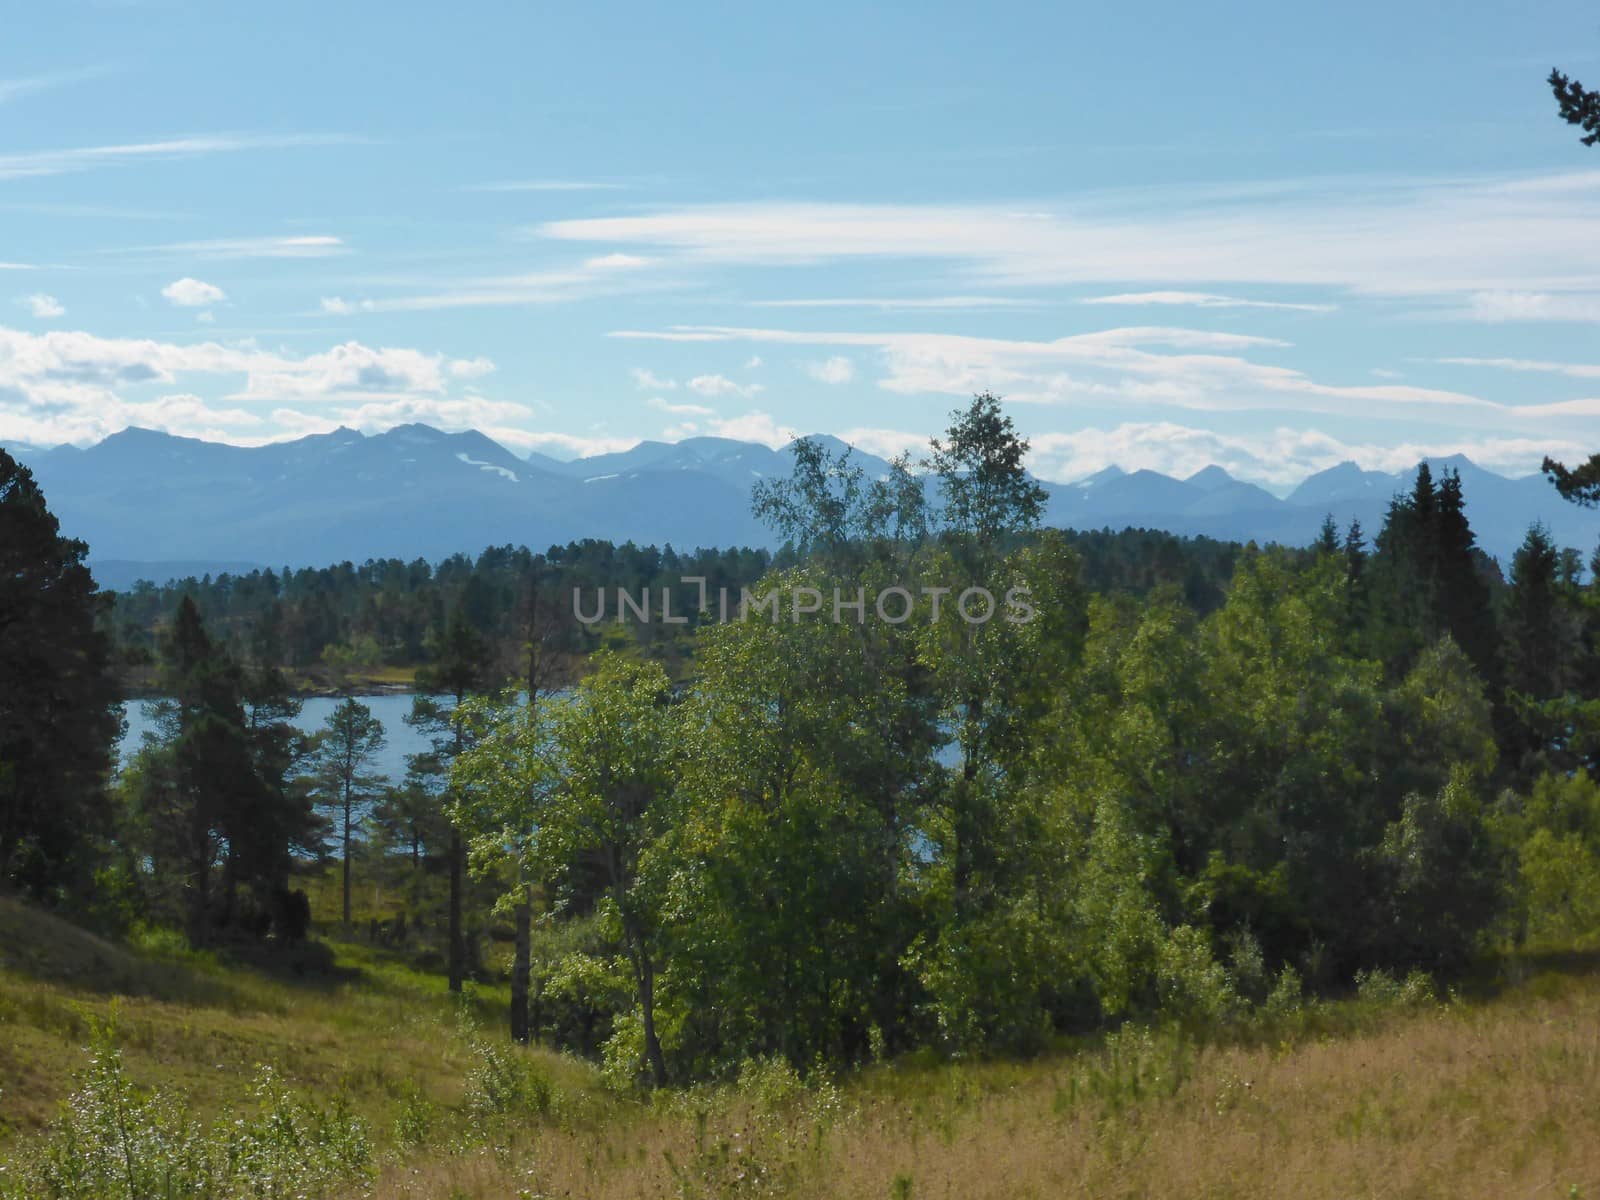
[390, 708]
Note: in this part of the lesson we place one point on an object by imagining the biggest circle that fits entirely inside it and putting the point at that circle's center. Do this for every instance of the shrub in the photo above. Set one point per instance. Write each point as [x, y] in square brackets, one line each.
[115, 1141]
[504, 1080]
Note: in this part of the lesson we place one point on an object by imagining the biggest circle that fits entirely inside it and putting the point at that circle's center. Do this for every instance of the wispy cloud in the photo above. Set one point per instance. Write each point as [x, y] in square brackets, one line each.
[15, 89]
[680, 410]
[1204, 300]
[62, 162]
[1571, 370]
[604, 275]
[294, 246]
[1398, 237]
[1153, 366]
[546, 185]
[903, 304]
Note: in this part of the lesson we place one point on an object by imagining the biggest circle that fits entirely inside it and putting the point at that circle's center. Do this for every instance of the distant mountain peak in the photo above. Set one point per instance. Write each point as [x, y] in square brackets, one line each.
[1103, 475]
[1210, 478]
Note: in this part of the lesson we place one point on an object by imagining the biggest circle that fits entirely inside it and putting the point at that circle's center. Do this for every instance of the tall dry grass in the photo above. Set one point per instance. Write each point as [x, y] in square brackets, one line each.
[1494, 1100]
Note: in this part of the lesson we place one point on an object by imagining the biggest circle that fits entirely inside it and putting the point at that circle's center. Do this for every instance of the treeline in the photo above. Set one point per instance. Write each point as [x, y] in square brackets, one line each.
[387, 613]
[331, 621]
[1201, 778]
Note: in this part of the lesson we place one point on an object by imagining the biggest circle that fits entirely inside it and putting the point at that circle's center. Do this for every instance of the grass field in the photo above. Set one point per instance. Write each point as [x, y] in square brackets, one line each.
[1496, 1095]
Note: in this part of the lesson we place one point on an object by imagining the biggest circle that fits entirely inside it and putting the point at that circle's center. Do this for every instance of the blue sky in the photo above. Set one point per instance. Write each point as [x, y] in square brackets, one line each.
[1268, 236]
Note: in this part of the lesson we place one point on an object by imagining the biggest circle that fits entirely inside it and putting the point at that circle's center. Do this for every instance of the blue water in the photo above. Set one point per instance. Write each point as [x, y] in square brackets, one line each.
[390, 708]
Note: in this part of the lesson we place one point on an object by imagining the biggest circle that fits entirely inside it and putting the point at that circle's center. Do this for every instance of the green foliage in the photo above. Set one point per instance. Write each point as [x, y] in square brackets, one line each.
[116, 1141]
[1381, 989]
[1199, 785]
[504, 1081]
[58, 717]
[1556, 835]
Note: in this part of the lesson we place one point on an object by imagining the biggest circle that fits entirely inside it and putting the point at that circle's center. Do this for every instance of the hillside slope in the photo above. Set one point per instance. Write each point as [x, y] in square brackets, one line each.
[1376, 1096]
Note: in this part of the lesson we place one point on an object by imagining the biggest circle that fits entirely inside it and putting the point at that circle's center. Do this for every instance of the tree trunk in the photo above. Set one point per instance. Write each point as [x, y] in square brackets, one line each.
[522, 968]
[647, 1006]
[346, 855]
[200, 887]
[457, 947]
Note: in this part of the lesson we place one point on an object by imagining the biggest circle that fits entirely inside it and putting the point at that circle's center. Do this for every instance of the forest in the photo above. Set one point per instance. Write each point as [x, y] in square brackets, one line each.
[1205, 781]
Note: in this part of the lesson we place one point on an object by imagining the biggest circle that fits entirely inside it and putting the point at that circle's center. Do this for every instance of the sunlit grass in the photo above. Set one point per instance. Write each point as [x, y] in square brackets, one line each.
[1388, 1093]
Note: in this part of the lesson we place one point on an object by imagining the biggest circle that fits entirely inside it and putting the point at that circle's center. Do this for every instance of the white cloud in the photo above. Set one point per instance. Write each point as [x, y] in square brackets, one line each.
[14, 89]
[564, 445]
[886, 443]
[902, 304]
[190, 416]
[754, 427]
[681, 410]
[1440, 237]
[601, 276]
[721, 385]
[648, 381]
[471, 368]
[752, 362]
[1203, 300]
[545, 185]
[1504, 306]
[1113, 367]
[1277, 458]
[43, 306]
[1571, 370]
[71, 386]
[298, 246]
[193, 293]
[835, 370]
[61, 162]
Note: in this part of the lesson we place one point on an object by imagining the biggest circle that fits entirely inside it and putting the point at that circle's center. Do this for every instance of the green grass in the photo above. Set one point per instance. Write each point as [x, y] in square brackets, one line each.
[330, 1016]
[1387, 1093]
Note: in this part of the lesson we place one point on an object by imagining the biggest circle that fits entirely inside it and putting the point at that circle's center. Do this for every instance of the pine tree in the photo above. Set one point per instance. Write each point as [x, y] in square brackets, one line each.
[346, 748]
[211, 789]
[58, 701]
[462, 665]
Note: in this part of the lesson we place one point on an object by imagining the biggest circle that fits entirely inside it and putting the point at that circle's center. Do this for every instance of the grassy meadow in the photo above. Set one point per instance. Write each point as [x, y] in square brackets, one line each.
[1393, 1092]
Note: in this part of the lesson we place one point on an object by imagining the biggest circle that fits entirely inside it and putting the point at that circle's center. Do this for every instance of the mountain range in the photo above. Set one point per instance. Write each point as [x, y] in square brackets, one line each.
[153, 505]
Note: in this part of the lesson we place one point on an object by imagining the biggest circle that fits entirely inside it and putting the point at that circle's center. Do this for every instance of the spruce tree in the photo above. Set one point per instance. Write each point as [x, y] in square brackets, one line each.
[1461, 598]
[58, 702]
